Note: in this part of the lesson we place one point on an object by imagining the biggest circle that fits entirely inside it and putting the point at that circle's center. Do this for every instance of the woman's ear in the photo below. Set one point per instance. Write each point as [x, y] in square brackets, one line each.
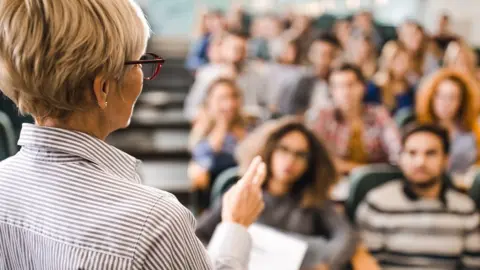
[101, 89]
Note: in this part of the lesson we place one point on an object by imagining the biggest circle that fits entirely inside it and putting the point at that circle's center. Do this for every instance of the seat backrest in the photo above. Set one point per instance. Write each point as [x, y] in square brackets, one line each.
[366, 178]
[474, 191]
[223, 182]
[7, 137]
[404, 116]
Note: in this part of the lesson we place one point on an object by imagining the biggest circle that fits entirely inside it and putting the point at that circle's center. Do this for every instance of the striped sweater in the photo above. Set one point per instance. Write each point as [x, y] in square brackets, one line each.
[406, 232]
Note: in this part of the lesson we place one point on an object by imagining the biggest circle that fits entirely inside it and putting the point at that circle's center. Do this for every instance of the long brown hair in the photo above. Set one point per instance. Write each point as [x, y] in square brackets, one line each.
[469, 107]
[312, 188]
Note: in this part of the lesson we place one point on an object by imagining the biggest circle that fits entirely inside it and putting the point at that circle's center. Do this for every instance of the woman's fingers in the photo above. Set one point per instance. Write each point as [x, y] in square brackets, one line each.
[260, 175]
[251, 171]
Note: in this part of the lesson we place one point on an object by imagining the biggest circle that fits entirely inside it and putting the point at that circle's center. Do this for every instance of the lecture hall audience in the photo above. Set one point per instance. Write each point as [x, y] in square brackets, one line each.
[300, 173]
[338, 91]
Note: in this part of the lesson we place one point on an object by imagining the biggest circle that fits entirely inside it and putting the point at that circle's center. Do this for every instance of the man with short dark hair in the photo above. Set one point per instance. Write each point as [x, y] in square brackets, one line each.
[312, 90]
[421, 222]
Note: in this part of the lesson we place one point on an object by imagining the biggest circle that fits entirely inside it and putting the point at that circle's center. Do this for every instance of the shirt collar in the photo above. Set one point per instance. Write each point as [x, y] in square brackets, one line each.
[410, 193]
[81, 145]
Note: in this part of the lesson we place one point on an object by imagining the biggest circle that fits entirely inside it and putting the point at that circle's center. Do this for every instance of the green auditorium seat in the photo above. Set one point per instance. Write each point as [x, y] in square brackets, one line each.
[7, 137]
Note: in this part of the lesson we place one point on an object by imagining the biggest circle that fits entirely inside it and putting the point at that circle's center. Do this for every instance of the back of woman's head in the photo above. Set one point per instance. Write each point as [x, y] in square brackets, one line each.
[55, 50]
[469, 97]
[313, 186]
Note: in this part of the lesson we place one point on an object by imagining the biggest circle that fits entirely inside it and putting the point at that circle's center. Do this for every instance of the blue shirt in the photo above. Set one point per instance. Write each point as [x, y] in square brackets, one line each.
[405, 100]
[216, 162]
[198, 55]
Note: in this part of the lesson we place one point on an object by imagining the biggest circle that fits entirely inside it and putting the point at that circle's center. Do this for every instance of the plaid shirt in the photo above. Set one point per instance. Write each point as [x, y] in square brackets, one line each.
[380, 136]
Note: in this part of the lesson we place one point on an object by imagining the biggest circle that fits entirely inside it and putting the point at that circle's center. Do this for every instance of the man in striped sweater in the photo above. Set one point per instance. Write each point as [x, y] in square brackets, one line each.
[420, 222]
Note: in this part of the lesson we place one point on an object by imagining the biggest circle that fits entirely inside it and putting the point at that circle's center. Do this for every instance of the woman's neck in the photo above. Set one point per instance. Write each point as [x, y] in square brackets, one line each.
[277, 188]
[75, 122]
[449, 124]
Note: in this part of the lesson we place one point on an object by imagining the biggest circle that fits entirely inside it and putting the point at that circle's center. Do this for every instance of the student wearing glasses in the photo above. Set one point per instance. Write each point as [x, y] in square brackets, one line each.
[300, 174]
[68, 200]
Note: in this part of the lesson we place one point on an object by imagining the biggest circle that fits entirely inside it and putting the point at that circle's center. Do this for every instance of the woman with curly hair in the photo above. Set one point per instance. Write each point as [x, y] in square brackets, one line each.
[450, 98]
[300, 174]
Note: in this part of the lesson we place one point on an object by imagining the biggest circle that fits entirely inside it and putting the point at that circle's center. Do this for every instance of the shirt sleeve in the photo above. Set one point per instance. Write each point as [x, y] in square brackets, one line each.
[203, 154]
[230, 247]
[169, 242]
[371, 233]
[342, 244]
[471, 254]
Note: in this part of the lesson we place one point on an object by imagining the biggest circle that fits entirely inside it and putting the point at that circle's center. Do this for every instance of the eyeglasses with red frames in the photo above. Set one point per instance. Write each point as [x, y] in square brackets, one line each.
[151, 65]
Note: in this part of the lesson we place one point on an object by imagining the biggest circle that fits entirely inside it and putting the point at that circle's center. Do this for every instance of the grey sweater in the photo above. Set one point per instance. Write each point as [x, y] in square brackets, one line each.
[330, 238]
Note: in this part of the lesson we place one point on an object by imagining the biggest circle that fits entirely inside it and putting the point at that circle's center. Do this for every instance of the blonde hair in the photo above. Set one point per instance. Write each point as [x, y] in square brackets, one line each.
[384, 76]
[52, 50]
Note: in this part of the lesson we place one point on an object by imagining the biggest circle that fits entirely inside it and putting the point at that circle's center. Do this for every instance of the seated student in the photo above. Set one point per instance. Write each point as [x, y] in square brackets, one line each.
[311, 90]
[211, 25]
[283, 72]
[356, 133]
[412, 35]
[390, 85]
[459, 55]
[361, 51]
[450, 98]
[300, 174]
[215, 135]
[421, 222]
[235, 65]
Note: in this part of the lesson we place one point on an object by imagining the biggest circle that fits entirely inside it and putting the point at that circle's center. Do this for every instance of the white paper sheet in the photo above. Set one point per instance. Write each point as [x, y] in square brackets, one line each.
[273, 249]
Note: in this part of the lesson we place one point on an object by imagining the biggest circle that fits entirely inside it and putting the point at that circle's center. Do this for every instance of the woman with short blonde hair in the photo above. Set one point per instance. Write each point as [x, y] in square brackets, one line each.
[68, 200]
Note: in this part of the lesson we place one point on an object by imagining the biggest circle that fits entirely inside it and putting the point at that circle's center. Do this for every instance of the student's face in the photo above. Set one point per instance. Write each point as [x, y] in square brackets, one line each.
[401, 64]
[290, 158]
[361, 49]
[223, 100]
[346, 89]
[234, 49]
[422, 158]
[322, 55]
[411, 36]
[447, 100]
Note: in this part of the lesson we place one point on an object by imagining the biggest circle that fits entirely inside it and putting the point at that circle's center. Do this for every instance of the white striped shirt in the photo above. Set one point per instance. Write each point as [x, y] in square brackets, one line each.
[404, 231]
[70, 201]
